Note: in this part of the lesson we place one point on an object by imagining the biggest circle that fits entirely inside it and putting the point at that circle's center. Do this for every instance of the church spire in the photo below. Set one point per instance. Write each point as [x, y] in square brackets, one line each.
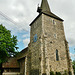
[44, 7]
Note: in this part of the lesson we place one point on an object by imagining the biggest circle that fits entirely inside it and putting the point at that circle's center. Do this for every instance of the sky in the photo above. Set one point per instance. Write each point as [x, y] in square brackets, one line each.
[16, 15]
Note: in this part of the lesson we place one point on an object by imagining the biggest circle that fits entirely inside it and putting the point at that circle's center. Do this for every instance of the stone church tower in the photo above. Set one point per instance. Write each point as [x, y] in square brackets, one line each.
[48, 47]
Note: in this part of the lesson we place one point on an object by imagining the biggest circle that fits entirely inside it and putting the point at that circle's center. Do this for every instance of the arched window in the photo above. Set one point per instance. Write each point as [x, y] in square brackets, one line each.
[57, 56]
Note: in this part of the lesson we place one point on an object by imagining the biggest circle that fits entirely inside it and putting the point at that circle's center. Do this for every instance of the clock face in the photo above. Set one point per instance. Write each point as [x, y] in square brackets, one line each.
[35, 38]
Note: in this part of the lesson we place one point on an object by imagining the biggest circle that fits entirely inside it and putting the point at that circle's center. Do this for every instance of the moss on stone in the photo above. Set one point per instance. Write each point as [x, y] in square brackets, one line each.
[34, 72]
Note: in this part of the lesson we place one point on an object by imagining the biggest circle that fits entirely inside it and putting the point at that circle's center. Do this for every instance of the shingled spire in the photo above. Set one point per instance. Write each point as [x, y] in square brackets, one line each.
[44, 7]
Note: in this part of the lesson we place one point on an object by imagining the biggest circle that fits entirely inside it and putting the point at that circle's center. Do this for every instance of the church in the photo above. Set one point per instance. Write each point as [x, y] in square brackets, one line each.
[48, 50]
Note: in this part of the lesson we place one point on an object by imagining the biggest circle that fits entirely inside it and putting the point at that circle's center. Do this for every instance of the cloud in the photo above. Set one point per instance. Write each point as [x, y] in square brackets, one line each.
[66, 10]
[72, 55]
[25, 35]
[26, 42]
[16, 11]
[23, 12]
[71, 41]
[19, 40]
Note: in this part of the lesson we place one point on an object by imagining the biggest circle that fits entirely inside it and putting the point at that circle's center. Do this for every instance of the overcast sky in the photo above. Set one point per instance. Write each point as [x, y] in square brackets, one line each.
[20, 13]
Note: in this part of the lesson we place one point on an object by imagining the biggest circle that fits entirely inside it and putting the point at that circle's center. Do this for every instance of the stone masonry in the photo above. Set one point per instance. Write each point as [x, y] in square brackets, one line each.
[48, 49]
[50, 38]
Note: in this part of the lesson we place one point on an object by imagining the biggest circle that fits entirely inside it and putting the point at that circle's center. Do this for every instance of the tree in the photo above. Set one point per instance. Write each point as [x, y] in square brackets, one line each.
[73, 66]
[7, 44]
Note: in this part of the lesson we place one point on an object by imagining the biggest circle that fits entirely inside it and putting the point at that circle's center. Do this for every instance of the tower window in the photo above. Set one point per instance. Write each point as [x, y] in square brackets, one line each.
[57, 57]
[54, 22]
[55, 35]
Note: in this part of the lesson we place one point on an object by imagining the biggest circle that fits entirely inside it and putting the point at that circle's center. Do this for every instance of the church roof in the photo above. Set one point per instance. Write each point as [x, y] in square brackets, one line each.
[52, 15]
[44, 6]
[45, 9]
[24, 50]
[22, 54]
[11, 63]
[48, 14]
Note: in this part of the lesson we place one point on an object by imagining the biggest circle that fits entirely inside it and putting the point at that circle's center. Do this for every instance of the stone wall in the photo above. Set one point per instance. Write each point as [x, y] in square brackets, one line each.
[35, 46]
[54, 39]
[22, 66]
[50, 37]
[22, 59]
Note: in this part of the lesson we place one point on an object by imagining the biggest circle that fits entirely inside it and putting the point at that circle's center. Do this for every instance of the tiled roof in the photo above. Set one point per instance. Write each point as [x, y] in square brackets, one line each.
[48, 14]
[11, 63]
[24, 50]
[52, 15]
[22, 54]
[45, 9]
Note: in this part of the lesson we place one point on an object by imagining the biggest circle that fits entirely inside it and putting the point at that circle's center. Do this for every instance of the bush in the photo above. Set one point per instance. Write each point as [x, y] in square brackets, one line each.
[70, 73]
[65, 72]
[73, 66]
[58, 73]
[51, 73]
[44, 74]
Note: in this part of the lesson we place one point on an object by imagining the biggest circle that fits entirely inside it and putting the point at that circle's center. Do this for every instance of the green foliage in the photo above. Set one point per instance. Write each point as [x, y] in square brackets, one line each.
[51, 73]
[73, 66]
[65, 72]
[58, 73]
[7, 44]
[70, 73]
[44, 74]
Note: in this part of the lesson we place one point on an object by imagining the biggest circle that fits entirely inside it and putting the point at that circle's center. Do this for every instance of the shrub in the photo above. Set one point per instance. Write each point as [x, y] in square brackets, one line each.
[51, 73]
[44, 74]
[58, 73]
[65, 72]
[70, 73]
